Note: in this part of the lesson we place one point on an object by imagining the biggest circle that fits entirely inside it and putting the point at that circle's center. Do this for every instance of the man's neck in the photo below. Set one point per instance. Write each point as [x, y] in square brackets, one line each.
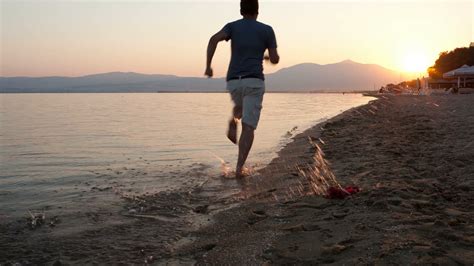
[254, 17]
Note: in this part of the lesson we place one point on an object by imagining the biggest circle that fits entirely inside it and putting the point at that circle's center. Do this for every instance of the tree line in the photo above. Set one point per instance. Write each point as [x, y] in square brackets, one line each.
[450, 60]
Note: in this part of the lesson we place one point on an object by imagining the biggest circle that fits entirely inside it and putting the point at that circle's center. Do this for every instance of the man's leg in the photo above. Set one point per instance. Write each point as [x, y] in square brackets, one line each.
[252, 98]
[232, 129]
[245, 143]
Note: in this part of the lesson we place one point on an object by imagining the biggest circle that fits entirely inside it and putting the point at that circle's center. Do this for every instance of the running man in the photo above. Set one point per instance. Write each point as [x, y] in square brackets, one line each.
[245, 79]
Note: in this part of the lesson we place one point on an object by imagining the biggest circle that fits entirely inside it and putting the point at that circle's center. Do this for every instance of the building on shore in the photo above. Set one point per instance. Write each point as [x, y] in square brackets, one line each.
[463, 76]
[440, 83]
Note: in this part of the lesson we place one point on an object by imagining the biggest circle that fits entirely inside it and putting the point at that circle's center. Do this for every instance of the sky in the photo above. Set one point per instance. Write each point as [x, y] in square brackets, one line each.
[78, 37]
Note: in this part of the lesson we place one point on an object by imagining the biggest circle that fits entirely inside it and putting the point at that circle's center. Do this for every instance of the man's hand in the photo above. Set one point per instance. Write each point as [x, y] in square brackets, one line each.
[272, 56]
[209, 73]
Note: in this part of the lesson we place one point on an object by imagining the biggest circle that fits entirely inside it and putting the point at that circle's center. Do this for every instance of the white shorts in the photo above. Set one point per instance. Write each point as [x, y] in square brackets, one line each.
[248, 94]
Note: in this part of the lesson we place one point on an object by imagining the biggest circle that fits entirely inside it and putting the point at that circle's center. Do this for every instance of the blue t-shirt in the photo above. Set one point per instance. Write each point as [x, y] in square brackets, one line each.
[250, 39]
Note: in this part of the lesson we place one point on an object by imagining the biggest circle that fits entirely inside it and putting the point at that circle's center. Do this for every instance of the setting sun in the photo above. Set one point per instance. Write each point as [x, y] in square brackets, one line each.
[415, 62]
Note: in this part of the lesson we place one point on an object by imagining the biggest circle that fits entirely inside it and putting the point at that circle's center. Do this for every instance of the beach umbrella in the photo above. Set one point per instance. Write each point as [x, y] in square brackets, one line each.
[464, 71]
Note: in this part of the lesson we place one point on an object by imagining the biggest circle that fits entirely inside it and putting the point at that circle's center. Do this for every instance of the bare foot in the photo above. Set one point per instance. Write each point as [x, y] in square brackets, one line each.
[242, 172]
[232, 131]
[240, 175]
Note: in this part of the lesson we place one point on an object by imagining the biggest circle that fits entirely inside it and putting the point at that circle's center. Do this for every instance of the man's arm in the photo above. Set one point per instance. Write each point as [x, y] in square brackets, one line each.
[273, 56]
[272, 47]
[211, 49]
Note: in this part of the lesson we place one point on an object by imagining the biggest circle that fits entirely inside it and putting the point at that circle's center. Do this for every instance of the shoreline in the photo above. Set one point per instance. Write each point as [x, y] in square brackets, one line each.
[259, 194]
[408, 210]
[416, 175]
[173, 214]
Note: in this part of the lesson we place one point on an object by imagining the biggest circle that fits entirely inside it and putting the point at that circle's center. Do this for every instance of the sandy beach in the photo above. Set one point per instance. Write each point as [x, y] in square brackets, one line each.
[411, 156]
[413, 159]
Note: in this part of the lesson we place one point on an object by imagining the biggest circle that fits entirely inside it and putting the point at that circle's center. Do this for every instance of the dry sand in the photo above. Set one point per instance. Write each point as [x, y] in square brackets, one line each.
[413, 158]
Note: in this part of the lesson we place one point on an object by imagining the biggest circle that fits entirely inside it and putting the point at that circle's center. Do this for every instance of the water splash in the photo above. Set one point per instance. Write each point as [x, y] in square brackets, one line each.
[320, 176]
[225, 168]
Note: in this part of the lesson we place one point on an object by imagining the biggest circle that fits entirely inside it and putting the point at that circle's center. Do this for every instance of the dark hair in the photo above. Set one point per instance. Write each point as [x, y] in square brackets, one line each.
[249, 7]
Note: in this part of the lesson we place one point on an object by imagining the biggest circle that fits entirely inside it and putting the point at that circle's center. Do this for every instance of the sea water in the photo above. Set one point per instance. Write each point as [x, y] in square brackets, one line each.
[56, 149]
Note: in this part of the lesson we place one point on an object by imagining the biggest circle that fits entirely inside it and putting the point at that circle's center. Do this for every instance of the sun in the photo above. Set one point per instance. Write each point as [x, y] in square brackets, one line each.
[415, 62]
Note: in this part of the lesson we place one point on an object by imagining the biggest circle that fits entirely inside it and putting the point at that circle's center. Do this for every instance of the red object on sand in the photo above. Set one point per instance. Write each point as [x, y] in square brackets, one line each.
[340, 193]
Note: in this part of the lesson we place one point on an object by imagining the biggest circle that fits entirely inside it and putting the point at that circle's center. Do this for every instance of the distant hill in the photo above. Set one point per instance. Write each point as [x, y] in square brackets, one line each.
[343, 76]
[109, 82]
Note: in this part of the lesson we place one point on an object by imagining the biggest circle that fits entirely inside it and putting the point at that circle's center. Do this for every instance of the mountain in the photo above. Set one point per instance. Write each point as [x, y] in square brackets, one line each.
[343, 76]
[108, 82]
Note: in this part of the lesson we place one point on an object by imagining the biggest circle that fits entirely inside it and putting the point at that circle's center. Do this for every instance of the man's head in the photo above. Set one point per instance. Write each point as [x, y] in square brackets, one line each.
[249, 8]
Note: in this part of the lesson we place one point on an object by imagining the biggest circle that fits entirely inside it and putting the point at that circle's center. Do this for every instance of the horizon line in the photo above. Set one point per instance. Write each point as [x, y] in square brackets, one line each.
[174, 75]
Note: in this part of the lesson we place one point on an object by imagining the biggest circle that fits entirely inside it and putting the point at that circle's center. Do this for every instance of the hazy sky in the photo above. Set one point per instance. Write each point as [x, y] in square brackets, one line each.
[72, 38]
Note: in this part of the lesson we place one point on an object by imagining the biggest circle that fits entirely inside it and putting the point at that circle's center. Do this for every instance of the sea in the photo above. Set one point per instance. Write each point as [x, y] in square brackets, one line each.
[57, 151]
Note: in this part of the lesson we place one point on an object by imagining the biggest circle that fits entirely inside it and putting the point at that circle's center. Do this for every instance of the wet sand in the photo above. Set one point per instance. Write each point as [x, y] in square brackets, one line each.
[413, 158]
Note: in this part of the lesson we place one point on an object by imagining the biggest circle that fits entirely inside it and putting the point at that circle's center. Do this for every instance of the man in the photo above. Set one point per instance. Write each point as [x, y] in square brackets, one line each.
[245, 79]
